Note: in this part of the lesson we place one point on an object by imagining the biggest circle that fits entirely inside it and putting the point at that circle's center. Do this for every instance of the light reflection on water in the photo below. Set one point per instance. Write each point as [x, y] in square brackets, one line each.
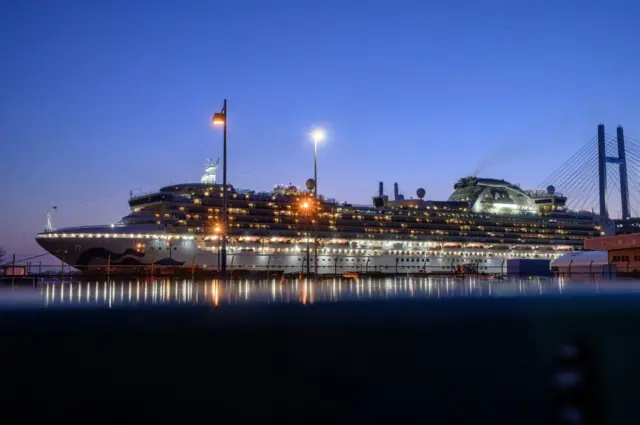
[214, 292]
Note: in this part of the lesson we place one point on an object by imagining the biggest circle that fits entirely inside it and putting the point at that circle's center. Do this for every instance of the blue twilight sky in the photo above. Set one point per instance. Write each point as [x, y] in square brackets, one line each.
[102, 97]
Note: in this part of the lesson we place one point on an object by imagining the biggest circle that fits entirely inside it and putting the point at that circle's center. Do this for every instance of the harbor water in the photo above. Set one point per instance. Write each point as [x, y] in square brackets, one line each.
[392, 350]
[110, 293]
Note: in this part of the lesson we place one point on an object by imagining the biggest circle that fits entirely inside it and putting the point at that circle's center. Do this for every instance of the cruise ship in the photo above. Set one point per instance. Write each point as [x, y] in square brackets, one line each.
[288, 230]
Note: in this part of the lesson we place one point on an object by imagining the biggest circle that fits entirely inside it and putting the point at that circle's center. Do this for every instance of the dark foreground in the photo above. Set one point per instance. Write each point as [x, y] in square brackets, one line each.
[444, 361]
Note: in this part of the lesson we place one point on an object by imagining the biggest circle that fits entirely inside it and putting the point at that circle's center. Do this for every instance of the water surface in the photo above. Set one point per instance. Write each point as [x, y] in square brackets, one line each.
[214, 292]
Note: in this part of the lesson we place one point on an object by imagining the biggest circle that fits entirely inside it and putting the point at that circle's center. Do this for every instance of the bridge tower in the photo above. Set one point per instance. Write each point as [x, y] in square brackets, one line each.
[621, 161]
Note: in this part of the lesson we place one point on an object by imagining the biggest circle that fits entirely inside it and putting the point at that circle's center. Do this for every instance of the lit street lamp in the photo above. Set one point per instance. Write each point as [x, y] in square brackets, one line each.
[305, 211]
[318, 136]
[220, 118]
[217, 231]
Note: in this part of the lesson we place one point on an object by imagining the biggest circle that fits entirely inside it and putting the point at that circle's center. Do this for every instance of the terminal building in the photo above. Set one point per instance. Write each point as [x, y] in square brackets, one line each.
[606, 255]
[622, 251]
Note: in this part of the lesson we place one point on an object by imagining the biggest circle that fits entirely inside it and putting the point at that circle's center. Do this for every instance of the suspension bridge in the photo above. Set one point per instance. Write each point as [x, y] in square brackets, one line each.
[602, 177]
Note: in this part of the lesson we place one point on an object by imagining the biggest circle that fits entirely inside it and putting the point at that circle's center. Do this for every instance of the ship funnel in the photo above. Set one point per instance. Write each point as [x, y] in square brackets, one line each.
[381, 189]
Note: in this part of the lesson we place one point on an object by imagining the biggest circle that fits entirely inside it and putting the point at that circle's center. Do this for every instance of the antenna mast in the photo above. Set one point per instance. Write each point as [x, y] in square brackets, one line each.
[210, 172]
[48, 227]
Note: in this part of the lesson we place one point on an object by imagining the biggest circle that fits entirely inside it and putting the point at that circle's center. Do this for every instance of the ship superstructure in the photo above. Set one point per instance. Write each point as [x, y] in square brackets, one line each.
[484, 223]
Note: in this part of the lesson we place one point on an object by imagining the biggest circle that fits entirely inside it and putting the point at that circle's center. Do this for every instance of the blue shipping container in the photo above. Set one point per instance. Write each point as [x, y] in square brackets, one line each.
[528, 267]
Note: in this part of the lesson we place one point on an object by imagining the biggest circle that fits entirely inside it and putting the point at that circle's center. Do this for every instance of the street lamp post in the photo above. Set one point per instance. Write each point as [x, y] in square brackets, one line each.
[220, 118]
[305, 211]
[308, 254]
[318, 136]
[217, 232]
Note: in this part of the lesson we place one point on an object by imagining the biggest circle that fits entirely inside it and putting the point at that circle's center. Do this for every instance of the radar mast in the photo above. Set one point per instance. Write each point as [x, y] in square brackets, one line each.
[48, 227]
[210, 172]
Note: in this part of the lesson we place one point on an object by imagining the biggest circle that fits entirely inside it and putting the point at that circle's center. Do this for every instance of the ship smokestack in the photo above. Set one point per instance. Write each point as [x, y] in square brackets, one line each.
[381, 189]
[396, 192]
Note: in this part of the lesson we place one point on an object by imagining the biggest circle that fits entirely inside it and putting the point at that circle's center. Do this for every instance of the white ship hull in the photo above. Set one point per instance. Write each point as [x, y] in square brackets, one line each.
[125, 247]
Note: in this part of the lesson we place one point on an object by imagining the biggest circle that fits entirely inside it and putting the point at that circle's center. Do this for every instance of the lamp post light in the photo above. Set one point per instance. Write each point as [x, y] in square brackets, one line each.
[217, 231]
[220, 118]
[318, 135]
[305, 210]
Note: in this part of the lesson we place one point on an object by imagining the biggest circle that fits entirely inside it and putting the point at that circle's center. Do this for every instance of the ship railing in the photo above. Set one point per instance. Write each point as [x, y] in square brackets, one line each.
[87, 226]
[140, 194]
[52, 272]
[543, 194]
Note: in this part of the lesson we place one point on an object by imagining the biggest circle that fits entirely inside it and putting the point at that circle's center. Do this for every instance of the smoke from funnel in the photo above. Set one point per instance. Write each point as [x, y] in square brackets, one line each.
[492, 158]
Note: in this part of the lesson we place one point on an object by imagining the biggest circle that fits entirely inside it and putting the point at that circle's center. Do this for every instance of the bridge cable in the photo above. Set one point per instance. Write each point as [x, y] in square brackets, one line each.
[570, 172]
[577, 175]
[562, 169]
[585, 181]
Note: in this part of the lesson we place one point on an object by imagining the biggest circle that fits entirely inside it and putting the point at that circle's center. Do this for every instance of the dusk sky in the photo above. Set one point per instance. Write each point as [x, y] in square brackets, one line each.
[103, 97]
